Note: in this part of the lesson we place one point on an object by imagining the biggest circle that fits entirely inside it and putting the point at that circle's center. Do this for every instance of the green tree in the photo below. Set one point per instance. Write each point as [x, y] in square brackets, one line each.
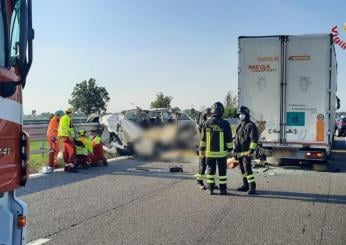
[231, 104]
[161, 101]
[89, 98]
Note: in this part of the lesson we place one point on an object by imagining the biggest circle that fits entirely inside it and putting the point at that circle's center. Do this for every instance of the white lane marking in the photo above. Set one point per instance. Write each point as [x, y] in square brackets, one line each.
[39, 241]
[10, 110]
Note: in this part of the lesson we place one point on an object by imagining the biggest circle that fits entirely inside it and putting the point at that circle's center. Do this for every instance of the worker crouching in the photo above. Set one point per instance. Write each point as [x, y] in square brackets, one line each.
[97, 158]
[215, 145]
[84, 149]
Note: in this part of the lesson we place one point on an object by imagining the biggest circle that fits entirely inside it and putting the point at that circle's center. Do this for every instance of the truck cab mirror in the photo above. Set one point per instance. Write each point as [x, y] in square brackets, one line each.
[19, 54]
[21, 36]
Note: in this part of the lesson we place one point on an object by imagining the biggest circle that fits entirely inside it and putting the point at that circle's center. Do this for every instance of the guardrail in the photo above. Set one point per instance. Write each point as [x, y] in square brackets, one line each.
[38, 132]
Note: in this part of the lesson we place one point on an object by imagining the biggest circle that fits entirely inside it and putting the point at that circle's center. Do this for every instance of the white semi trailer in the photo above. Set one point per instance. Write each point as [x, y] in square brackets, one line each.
[290, 83]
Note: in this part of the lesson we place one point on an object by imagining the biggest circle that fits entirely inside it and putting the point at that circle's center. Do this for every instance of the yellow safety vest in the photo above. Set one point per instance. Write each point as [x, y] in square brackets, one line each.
[65, 127]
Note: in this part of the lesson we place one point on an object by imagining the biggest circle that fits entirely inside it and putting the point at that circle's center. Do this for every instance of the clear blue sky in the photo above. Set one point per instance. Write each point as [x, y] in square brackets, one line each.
[135, 48]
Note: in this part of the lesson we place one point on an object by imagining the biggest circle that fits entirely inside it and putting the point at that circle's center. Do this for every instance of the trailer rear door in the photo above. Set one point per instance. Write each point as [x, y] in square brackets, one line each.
[306, 96]
[259, 83]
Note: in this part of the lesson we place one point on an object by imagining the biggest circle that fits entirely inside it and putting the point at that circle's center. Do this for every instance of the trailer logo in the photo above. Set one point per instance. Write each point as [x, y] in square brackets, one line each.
[304, 83]
[337, 40]
[261, 68]
[5, 151]
[261, 83]
[268, 58]
[320, 117]
[295, 118]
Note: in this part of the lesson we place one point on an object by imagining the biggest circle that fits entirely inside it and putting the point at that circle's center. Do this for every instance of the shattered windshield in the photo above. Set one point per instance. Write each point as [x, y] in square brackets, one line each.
[135, 116]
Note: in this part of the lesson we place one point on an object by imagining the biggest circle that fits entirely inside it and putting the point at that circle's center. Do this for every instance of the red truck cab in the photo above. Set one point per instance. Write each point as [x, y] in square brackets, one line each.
[16, 35]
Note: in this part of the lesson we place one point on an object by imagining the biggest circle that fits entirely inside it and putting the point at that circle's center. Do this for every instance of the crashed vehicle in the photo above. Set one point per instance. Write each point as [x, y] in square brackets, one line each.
[146, 132]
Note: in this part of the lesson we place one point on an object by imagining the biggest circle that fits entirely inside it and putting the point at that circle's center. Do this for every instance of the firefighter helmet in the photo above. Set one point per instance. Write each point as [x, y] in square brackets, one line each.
[244, 110]
[217, 109]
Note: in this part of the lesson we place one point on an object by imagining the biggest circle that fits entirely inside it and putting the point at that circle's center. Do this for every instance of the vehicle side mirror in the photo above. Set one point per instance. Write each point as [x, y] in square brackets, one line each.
[21, 36]
[26, 36]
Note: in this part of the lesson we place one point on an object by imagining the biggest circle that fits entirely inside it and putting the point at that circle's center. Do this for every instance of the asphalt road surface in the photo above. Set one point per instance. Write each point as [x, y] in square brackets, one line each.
[137, 202]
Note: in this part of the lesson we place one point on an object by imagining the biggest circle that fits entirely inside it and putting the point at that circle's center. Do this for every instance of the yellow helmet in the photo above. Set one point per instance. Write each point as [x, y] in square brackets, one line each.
[68, 110]
[82, 132]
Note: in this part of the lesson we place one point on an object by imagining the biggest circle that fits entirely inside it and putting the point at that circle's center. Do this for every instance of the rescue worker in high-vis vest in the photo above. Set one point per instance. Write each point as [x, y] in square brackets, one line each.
[66, 134]
[84, 149]
[245, 143]
[53, 140]
[98, 157]
[216, 144]
[200, 176]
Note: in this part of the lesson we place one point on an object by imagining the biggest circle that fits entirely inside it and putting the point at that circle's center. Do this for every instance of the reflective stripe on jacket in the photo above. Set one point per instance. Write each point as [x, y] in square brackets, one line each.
[216, 138]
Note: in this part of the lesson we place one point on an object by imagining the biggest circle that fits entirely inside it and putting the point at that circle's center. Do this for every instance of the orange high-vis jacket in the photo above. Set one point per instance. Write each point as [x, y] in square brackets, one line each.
[53, 127]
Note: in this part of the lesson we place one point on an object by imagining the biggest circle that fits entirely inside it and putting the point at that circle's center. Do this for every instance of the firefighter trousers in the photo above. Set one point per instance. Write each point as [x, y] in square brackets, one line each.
[211, 170]
[246, 170]
[201, 170]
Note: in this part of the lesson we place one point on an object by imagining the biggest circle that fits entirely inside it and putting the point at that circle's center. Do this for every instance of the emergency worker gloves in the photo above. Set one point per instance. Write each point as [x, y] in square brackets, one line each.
[238, 155]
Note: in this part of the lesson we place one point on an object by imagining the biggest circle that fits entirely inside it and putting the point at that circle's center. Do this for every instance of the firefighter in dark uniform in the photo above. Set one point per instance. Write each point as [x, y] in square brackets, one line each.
[245, 143]
[216, 144]
[202, 118]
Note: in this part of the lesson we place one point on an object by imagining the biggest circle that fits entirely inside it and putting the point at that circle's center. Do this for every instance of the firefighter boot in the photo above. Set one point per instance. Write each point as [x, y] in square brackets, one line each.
[211, 190]
[201, 185]
[245, 186]
[252, 190]
[105, 162]
[223, 192]
[71, 168]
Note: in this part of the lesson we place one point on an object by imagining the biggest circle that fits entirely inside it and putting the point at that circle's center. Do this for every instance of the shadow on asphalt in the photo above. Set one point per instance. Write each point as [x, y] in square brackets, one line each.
[297, 196]
[335, 164]
[119, 168]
